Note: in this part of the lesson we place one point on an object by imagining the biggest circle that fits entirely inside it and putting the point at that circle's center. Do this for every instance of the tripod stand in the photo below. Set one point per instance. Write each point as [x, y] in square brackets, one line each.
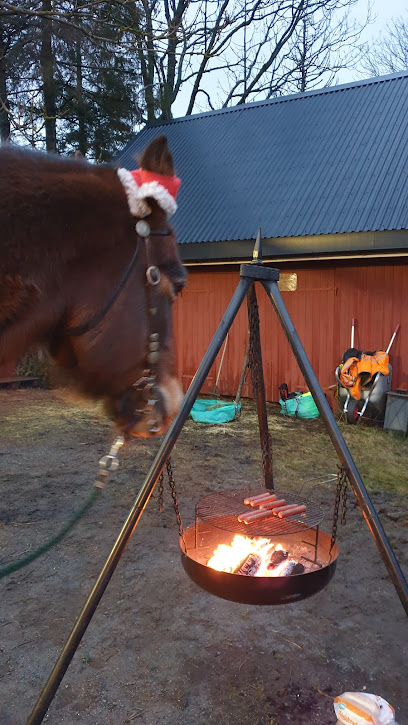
[250, 274]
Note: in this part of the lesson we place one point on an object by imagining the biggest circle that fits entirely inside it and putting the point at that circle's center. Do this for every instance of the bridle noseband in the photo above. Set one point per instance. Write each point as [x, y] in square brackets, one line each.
[147, 383]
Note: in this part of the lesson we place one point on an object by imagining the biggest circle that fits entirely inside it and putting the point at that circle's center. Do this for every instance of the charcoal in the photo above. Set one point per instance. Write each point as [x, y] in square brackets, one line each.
[288, 570]
[277, 558]
[250, 566]
[297, 569]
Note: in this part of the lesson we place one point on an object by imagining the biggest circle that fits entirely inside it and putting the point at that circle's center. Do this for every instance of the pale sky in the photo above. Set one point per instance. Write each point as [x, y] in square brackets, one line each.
[385, 10]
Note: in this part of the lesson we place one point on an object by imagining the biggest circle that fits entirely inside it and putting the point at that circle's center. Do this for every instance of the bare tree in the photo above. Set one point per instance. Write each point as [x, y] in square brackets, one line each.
[227, 52]
[322, 46]
[389, 53]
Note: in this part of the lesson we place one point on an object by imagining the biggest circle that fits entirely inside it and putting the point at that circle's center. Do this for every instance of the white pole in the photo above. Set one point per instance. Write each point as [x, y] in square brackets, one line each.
[393, 338]
[353, 322]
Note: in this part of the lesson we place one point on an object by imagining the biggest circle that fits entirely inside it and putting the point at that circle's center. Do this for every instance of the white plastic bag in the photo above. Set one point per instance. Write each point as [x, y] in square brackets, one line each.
[359, 708]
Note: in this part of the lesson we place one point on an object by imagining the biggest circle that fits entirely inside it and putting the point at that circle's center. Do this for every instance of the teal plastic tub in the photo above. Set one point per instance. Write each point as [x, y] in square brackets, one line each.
[213, 411]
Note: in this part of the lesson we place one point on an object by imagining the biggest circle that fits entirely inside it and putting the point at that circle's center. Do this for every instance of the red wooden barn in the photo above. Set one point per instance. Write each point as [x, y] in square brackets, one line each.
[324, 174]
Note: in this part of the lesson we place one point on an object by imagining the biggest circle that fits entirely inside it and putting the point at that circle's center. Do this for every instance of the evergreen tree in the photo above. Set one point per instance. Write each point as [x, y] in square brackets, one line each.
[98, 84]
[70, 86]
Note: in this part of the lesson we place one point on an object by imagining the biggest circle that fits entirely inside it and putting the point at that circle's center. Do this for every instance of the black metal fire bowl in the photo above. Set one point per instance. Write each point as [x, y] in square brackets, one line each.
[252, 589]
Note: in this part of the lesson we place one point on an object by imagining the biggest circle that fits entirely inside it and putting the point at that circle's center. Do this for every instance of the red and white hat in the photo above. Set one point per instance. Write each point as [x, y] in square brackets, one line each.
[141, 184]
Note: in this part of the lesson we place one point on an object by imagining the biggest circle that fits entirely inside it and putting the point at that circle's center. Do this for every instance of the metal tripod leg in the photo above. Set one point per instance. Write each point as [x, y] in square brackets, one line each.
[370, 515]
[139, 505]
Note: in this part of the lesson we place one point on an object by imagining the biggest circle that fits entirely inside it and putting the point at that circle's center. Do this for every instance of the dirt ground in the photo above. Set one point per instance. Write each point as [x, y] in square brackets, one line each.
[159, 650]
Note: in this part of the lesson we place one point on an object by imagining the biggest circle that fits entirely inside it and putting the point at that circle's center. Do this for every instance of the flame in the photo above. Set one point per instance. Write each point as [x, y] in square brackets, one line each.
[228, 558]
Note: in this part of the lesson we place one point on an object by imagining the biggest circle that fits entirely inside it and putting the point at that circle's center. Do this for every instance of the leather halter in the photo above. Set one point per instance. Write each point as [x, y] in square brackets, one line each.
[147, 383]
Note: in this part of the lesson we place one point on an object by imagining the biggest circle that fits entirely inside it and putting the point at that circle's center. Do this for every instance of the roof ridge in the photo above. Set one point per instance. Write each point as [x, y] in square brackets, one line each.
[285, 99]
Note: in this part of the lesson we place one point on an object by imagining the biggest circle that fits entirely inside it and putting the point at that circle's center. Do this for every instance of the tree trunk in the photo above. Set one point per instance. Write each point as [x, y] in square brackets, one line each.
[303, 56]
[82, 135]
[4, 117]
[47, 72]
[147, 62]
[167, 90]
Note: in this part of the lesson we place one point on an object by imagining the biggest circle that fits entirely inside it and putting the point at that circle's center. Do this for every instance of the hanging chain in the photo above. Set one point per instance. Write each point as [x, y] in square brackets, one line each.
[340, 502]
[266, 444]
[110, 463]
[253, 366]
[344, 499]
[172, 486]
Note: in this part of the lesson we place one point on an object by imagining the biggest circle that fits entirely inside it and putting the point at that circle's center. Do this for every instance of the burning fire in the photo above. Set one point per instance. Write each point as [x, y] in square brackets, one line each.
[254, 557]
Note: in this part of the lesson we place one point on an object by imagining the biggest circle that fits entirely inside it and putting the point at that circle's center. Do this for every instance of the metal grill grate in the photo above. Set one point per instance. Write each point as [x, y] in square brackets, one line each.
[221, 510]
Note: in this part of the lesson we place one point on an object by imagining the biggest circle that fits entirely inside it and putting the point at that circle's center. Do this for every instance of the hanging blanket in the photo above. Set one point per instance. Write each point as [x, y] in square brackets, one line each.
[357, 374]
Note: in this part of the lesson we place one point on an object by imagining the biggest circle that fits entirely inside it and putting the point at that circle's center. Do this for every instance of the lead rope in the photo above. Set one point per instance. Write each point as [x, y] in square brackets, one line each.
[107, 465]
[339, 503]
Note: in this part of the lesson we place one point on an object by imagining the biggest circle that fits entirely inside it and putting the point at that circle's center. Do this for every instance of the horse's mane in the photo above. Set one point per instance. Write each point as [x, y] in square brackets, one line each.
[47, 161]
[45, 197]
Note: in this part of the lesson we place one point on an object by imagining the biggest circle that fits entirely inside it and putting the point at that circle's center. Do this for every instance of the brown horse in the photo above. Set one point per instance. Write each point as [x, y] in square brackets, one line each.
[78, 277]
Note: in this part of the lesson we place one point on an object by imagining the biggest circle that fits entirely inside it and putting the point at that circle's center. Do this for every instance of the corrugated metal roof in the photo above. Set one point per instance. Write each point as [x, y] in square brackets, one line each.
[321, 162]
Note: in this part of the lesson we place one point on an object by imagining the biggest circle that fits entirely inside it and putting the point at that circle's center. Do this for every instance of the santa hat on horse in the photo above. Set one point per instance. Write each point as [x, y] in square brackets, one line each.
[141, 184]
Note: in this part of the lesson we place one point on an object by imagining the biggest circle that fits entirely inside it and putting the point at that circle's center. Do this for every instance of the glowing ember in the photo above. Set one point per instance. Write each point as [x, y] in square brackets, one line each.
[254, 557]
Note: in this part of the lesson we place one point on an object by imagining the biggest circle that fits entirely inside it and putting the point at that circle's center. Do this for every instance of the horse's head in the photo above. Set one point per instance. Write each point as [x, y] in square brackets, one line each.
[117, 339]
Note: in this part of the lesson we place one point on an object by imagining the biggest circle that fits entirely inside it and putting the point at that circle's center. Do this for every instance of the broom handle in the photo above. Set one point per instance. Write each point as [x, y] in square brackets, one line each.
[222, 360]
[353, 322]
[393, 338]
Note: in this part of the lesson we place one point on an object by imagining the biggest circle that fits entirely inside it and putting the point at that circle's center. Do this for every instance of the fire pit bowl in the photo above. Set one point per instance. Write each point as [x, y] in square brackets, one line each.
[256, 589]
[302, 541]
